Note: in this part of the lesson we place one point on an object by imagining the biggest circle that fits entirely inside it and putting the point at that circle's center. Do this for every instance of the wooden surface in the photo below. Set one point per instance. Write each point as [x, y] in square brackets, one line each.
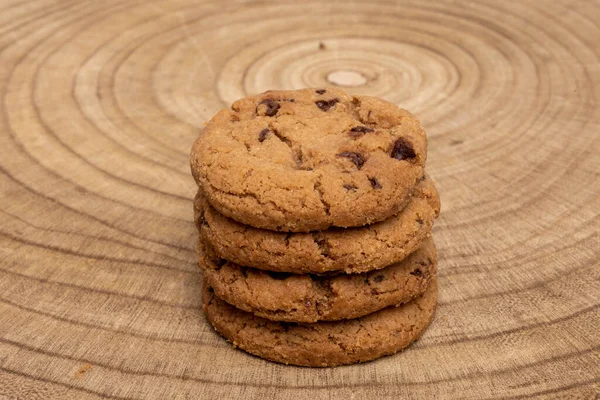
[101, 101]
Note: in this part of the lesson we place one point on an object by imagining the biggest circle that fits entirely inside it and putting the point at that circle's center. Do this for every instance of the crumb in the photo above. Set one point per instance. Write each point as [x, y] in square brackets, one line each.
[82, 371]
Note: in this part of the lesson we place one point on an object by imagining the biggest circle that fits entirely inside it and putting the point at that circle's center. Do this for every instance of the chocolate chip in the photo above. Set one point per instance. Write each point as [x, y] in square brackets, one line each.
[419, 221]
[326, 104]
[378, 278]
[279, 275]
[272, 107]
[321, 91]
[417, 272]
[350, 187]
[362, 129]
[263, 135]
[359, 131]
[356, 158]
[375, 183]
[202, 220]
[402, 150]
[211, 290]
[324, 247]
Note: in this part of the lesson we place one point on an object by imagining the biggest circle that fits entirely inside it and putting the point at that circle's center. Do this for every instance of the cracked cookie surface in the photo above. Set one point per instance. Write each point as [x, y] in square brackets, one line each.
[323, 344]
[311, 298]
[352, 250]
[309, 159]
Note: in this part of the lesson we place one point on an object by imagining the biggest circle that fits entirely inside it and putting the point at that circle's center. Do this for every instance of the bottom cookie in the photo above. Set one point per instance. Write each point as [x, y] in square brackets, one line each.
[323, 344]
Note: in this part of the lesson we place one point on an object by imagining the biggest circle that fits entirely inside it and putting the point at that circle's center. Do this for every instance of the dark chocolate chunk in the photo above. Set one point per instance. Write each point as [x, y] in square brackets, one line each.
[263, 135]
[324, 247]
[321, 91]
[402, 150]
[417, 272]
[359, 131]
[326, 104]
[362, 129]
[356, 158]
[375, 183]
[272, 107]
[350, 187]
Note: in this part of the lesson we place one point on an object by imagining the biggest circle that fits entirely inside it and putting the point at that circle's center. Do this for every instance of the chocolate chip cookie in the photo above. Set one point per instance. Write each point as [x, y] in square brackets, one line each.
[309, 159]
[323, 344]
[310, 298]
[351, 250]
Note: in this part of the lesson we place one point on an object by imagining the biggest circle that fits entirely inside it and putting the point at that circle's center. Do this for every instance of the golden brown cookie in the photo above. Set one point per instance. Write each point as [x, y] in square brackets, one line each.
[288, 297]
[352, 250]
[309, 159]
[323, 344]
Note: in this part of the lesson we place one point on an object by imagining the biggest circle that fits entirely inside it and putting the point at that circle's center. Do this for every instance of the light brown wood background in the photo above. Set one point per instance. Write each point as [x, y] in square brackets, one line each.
[101, 101]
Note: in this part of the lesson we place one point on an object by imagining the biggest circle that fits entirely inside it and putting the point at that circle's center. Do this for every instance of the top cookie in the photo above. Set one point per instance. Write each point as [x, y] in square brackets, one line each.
[309, 159]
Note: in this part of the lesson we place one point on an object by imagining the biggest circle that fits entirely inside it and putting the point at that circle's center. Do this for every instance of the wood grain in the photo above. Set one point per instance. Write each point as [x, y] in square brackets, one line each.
[101, 101]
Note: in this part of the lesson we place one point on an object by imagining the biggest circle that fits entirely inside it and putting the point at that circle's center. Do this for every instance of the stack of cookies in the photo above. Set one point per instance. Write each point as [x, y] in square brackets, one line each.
[315, 217]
